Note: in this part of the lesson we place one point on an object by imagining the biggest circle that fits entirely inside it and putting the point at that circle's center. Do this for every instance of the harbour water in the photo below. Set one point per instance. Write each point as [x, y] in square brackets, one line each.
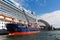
[43, 35]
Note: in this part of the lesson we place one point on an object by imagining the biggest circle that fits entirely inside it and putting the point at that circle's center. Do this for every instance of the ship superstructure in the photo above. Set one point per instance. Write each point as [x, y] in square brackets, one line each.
[12, 14]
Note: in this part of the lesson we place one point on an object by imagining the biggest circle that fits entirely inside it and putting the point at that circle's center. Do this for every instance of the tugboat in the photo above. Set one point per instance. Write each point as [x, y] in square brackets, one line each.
[19, 29]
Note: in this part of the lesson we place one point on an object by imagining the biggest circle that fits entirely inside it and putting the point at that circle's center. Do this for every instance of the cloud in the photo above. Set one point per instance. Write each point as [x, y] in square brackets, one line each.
[36, 0]
[43, 3]
[52, 18]
[23, 2]
[20, 0]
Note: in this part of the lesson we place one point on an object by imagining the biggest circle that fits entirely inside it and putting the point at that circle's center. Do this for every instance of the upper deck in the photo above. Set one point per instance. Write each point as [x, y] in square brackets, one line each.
[9, 8]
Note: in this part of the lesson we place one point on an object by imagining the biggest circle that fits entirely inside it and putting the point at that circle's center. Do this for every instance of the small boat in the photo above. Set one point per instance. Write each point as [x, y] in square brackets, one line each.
[19, 29]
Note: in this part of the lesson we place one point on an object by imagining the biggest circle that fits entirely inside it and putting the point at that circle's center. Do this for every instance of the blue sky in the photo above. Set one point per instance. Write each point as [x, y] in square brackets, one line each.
[48, 10]
[40, 6]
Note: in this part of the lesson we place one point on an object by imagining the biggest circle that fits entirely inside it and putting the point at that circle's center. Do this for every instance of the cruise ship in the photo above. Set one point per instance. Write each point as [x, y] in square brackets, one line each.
[16, 19]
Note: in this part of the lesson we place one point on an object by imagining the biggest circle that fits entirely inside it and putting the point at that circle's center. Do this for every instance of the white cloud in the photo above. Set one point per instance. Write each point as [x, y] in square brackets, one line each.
[43, 3]
[37, 0]
[53, 18]
[23, 2]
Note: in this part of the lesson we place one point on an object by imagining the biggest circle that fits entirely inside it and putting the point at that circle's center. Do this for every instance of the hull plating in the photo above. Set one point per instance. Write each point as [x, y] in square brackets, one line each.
[22, 33]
